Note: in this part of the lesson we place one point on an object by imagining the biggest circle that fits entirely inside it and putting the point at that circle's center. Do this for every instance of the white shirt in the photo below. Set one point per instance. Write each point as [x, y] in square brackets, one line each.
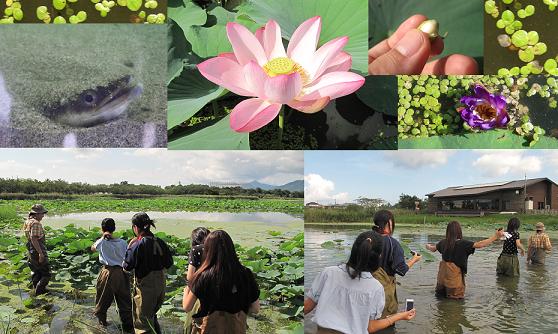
[111, 251]
[344, 304]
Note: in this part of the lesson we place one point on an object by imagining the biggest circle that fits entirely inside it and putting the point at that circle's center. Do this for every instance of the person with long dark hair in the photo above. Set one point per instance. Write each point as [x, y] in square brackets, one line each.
[37, 258]
[149, 257]
[508, 263]
[196, 252]
[347, 298]
[226, 289]
[455, 253]
[392, 261]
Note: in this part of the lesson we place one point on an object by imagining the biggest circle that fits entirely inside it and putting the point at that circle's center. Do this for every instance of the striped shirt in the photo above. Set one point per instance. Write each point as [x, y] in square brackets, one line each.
[540, 240]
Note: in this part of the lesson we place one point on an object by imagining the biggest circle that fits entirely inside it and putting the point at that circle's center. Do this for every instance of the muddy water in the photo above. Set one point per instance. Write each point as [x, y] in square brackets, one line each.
[246, 228]
[528, 304]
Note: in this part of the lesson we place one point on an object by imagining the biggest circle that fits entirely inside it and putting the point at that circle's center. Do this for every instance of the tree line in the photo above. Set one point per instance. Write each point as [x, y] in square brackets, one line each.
[32, 186]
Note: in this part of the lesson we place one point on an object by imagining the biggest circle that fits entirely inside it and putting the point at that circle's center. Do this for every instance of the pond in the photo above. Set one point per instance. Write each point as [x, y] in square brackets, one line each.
[248, 228]
[491, 304]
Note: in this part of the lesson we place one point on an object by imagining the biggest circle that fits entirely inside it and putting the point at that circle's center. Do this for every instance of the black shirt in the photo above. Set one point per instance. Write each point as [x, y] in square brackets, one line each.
[241, 296]
[195, 257]
[509, 244]
[148, 254]
[393, 257]
[459, 254]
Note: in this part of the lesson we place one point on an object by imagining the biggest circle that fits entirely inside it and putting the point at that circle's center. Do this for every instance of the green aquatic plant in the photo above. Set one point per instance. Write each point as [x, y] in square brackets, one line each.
[63, 11]
[430, 106]
[527, 44]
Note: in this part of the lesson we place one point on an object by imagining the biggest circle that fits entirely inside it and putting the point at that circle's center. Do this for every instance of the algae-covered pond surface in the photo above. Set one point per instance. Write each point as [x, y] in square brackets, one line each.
[491, 304]
[86, 86]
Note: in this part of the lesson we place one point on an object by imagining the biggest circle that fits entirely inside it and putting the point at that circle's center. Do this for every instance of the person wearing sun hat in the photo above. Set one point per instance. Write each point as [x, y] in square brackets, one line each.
[149, 257]
[539, 245]
[37, 258]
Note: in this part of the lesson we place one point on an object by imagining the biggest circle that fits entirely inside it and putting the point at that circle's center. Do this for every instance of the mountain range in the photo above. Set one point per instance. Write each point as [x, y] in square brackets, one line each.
[297, 185]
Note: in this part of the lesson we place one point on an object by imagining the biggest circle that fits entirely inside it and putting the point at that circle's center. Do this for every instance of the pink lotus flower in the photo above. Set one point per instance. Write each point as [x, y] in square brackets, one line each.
[302, 77]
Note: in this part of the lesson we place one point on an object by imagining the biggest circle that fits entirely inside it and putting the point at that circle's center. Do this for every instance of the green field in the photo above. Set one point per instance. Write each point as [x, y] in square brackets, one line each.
[363, 218]
[163, 204]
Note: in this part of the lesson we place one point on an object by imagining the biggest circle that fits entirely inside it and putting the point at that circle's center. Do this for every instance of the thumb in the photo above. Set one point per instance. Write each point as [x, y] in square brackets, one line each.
[408, 56]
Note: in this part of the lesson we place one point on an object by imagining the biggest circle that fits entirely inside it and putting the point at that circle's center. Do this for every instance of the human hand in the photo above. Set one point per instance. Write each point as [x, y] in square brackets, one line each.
[107, 235]
[416, 257]
[522, 252]
[408, 315]
[499, 233]
[408, 50]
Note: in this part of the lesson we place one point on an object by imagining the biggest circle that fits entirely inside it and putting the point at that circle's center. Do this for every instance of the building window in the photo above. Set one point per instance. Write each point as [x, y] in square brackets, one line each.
[540, 205]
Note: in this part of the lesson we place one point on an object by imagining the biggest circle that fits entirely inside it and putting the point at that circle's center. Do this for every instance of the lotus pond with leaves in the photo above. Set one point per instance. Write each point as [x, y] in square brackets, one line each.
[290, 61]
[478, 112]
[278, 269]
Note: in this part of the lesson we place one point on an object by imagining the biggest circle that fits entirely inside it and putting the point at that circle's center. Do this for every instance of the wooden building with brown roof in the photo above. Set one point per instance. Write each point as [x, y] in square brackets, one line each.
[511, 196]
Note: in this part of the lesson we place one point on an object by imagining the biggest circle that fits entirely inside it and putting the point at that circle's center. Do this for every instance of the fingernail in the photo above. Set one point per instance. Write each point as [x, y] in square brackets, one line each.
[410, 43]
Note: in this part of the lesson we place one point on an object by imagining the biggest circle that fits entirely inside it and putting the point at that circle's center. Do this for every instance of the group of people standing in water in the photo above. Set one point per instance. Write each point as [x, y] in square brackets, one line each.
[360, 296]
[220, 291]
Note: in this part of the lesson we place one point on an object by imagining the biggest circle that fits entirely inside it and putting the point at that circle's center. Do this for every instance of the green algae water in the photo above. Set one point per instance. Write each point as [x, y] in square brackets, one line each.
[82, 86]
[83, 11]
[491, 305]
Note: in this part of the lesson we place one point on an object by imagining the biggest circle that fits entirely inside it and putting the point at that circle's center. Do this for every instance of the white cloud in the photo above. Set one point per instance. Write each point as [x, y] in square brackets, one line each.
[506, 162]
[412, 159]
[318, 189]
[156, 166]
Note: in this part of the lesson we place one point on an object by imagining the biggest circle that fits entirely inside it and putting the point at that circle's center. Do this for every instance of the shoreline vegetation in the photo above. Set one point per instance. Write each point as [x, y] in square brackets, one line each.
[362, 217]
[190, 203]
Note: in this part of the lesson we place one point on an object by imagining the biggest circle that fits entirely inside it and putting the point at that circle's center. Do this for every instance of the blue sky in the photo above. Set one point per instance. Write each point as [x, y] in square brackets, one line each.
[342, 176]
[152, 166]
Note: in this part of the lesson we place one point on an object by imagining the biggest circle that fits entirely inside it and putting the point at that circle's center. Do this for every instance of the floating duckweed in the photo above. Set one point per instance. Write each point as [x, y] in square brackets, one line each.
[520, 38]
[539, 48]
[59, 4]
[527, 55]
[67, 9]
[504, 40]
[550, 65]
[507, 2]
[59, 20]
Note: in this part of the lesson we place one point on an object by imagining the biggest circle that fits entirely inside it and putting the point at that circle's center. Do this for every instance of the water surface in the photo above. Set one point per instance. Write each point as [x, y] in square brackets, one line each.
[527, 304]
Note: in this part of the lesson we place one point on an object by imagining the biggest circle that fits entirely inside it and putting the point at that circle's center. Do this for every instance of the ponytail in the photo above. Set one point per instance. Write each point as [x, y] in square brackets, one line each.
[365, 254]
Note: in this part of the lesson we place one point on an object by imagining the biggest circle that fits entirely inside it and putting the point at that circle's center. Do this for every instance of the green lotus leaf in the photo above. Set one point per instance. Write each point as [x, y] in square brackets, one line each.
[219, 136]
[339, 18]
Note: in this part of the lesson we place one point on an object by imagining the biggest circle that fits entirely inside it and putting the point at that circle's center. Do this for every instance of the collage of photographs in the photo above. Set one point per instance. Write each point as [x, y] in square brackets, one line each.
[278, 166]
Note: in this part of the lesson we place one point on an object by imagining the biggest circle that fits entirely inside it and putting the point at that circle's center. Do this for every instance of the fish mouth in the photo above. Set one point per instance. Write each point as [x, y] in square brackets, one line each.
[96, 106]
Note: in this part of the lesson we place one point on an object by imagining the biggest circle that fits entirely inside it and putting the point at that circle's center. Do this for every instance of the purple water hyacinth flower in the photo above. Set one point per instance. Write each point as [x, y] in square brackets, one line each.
[484, 110]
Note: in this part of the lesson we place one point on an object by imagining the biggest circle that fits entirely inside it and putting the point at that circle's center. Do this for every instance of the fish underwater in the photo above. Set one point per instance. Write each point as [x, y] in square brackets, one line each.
[82, 86]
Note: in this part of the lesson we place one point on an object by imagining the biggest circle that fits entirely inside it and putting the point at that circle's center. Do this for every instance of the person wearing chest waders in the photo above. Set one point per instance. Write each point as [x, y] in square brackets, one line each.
[455, 252]
[392, 261]
[113, 284]
[148, 256]
[508, 263]
[538, 246]
[37, 258]
[226, 289]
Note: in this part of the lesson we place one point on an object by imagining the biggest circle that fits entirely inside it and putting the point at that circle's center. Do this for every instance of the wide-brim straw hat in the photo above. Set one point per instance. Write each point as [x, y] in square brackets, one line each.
[539, 227]
[38, 208]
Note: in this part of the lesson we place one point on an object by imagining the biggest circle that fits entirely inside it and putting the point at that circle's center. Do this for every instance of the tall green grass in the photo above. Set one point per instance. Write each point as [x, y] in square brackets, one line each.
[407, 217]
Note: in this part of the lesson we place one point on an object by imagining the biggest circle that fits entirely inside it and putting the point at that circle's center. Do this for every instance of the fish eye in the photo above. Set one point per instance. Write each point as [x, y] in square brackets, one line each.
[89, 98]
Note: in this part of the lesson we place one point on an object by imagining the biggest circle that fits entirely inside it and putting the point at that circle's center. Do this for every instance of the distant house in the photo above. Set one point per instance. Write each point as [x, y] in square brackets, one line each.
[313, 205]
[512, 196]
